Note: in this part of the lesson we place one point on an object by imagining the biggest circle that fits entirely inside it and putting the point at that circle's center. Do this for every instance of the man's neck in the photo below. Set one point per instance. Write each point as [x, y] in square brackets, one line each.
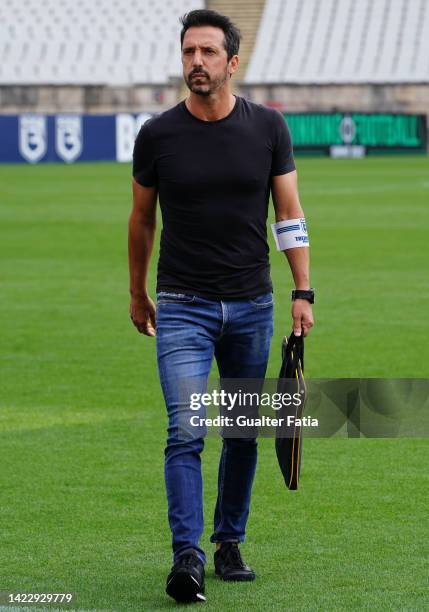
[210, 108]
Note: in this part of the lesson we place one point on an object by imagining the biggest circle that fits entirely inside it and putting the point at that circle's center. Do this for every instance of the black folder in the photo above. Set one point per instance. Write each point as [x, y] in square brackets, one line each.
[289, 437]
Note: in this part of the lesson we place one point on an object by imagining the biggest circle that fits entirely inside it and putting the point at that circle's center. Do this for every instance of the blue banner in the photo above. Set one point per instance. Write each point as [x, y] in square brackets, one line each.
[68, 138]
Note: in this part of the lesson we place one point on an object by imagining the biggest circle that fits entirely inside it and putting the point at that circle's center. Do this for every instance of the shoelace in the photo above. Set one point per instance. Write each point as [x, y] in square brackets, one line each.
[187, 560]
[233, 555]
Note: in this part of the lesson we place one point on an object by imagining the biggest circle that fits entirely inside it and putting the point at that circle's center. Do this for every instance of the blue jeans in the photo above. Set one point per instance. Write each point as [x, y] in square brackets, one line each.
[190, 330]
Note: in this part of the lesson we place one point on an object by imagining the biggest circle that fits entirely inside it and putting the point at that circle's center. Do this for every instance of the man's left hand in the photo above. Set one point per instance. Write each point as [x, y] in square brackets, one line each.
[302, 315]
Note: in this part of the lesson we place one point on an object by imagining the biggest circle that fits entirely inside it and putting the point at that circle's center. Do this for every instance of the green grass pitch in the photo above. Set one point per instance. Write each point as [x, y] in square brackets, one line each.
[82, 420]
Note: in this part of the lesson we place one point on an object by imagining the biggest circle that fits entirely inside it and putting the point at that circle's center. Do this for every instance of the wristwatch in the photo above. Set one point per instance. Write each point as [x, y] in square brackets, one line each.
[303, 294]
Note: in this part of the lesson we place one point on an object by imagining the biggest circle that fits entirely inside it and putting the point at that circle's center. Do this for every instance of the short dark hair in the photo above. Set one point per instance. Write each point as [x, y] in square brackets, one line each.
[206, 17]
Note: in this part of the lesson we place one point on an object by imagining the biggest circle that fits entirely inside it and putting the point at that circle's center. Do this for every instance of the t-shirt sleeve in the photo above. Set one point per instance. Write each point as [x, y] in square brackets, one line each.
[282, 161]
[144, 167]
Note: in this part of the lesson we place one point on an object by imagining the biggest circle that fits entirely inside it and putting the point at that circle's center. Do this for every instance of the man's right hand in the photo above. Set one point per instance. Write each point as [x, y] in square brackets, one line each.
[143, 315]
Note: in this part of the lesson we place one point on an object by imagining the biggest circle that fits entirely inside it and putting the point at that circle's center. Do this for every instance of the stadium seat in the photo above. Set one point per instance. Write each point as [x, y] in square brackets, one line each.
[341, 41]
[94, 42]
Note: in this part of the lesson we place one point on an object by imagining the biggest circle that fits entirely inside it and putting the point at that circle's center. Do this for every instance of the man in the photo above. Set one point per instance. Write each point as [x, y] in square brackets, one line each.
[212, 160]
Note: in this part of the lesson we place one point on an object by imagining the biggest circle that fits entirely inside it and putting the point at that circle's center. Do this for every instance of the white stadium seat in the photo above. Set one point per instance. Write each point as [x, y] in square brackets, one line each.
[341, 41]
[94, 42]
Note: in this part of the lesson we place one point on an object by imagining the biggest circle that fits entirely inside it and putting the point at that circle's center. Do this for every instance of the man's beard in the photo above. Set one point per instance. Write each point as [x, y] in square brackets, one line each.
[209, 86]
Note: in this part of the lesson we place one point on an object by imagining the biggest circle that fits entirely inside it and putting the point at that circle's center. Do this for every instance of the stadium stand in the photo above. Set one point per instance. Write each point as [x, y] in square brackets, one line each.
[103, 56]
[341, 41]
[90, 42]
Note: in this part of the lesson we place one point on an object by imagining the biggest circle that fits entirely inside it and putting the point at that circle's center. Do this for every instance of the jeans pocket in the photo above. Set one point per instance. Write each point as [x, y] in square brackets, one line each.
[167, 297]
[262, 301]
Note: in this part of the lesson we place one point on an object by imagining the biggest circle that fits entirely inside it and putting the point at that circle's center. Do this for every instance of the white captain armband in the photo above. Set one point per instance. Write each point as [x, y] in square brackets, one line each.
[290, 234]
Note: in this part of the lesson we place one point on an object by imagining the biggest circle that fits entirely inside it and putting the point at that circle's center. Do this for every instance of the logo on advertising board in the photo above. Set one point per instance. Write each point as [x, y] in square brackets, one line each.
[347, 129]
[127, 128]
[68, 137]
[33, 139]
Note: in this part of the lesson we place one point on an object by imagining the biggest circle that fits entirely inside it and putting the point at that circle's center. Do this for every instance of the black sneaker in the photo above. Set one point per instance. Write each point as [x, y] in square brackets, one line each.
[185, 582]
[229, 565]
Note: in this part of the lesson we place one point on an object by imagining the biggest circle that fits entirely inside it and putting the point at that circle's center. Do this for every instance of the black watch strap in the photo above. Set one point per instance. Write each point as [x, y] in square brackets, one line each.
[303, 294]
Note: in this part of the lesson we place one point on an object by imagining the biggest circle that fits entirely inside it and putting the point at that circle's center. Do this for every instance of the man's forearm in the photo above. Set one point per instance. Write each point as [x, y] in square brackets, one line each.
[299, 262]
[141, 236]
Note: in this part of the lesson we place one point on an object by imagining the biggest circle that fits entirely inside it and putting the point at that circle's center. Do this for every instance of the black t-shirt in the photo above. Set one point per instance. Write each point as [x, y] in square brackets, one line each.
[213, 179]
